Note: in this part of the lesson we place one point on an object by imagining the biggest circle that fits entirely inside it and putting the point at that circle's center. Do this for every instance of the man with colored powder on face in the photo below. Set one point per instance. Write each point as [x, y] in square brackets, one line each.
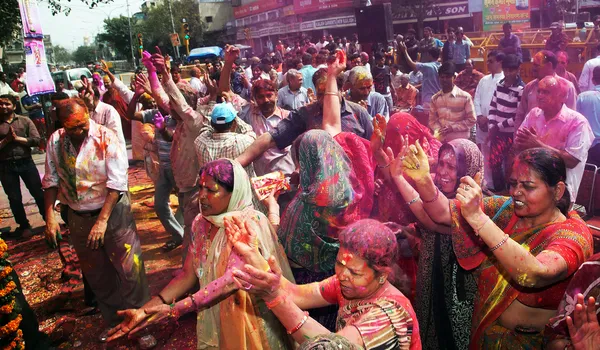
[544, 64]
[452, 114]
[360, 90]
[355, 118]
[561, 69]
[554, 126]
[17, 135]
[85, 165]
[468, 79]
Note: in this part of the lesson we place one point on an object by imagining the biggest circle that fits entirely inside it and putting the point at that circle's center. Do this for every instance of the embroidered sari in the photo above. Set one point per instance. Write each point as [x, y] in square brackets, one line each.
[570, 238]
[445, 291]
[240, 321]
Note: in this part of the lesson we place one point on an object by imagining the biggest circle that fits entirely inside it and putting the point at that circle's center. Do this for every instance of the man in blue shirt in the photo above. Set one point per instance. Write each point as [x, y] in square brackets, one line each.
[431, 83]
[307, 71]
[588, 104]
[35, 111]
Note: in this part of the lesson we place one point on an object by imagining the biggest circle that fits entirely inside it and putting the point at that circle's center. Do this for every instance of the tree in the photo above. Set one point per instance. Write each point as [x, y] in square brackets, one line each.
[11, 20]
[84, 54]
[59, 6]
[415, 8]
[116, 32]
[62, 55]
[157, 25]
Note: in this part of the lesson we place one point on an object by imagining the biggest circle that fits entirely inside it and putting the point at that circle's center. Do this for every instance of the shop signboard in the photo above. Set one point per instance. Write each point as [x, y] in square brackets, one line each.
[257, 7]
[306, 6]
[498, 12]
[446, 10]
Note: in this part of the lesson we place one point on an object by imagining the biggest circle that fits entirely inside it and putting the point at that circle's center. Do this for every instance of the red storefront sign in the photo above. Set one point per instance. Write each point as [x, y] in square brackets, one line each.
[305, 6]
[257, 7]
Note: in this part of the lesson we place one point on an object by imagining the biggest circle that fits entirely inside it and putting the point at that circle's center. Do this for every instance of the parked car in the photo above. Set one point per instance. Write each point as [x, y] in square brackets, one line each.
[71, 76]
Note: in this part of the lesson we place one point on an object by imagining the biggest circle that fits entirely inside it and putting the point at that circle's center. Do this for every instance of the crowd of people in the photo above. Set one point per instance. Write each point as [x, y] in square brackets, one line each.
[452, 231]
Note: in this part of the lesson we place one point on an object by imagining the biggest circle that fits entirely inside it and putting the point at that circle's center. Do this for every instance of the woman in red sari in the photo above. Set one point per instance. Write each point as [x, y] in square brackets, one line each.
[523, 249]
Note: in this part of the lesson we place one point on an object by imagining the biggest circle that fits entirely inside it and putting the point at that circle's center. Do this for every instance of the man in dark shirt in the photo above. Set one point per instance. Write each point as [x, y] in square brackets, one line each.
[382, 78]
[17, 135]
[355, 118]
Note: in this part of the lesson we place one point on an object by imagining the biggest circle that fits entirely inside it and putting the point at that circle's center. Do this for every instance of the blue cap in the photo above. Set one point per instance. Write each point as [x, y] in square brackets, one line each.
[223, 113]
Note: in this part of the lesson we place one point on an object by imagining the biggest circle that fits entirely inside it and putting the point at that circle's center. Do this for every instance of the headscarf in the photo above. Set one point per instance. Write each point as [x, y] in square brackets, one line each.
[389, 204]
[363, 165]
[239, 311]
[469, 160]
[324, 204]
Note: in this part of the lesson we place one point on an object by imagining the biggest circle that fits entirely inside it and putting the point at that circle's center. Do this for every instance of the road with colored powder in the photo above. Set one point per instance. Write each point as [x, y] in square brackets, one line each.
[59, 313]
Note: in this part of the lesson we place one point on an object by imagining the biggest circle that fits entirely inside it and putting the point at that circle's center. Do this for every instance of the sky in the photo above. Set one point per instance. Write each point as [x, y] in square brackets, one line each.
[69, 31]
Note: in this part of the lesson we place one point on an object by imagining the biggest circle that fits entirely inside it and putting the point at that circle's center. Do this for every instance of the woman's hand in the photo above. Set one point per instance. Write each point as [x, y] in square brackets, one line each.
[583, 327]
[416, 163]
[338, 65]
[470, 196]
[379, 132]
[311, 95]
[396, 168]
[265, 283]
[155, 315]
[132, 318]
[270, 202]
[243, 238]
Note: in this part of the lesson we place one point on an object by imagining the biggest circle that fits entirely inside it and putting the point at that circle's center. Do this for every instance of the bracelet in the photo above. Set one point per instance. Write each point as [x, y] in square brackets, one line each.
[437, 194]
[500, 244]
[299, 324]
[478, 229]
[275, 302]
[331, 93]
[172, 312]
[162, 299]
[413, 200]
[384, 166]
[193, 301]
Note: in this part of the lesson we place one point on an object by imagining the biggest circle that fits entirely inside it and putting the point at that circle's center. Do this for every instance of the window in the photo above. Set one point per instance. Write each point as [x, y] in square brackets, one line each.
[208, 19]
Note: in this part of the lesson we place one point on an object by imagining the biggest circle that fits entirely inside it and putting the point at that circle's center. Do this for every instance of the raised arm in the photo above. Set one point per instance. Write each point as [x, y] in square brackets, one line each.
[411, 64]
[162, 99]
[256, 149]
[231, 54]
[332, 117]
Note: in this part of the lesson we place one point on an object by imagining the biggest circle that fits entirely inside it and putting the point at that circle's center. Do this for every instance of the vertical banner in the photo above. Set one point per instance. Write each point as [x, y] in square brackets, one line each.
[39, 80]
[498, 12]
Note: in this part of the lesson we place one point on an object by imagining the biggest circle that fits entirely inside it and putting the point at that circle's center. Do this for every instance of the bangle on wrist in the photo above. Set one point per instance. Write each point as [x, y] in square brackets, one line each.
[478, 229]
[331, 93]
[504, 240]
[384, 166]
[302, 322]
[437, 194]
[162, 299]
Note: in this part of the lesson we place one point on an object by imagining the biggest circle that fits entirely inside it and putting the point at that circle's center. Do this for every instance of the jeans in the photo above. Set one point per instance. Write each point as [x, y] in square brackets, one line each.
[162, 190]
[389, 102]
[11, 171]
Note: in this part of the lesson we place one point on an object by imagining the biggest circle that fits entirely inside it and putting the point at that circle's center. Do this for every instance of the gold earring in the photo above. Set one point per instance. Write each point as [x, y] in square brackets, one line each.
[382, 280]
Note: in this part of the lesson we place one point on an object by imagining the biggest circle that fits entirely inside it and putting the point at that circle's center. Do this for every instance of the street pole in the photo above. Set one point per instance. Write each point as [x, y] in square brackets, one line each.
[176, 48]
[130, 40]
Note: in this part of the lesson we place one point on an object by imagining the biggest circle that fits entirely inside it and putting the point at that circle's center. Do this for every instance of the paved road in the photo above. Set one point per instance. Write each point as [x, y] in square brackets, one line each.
[35, 219]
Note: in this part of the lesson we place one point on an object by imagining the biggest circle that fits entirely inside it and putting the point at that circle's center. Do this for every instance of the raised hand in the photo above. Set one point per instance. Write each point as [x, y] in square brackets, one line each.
[159, 121]
[147, 61]
[469, 195]
[231, 53]
[211, 85]
[104, 66]
[143, 84]
[311, 95]
[416, 163]
[379, 131]
[338, 65]
[397, 166]
[583, 327]
[266, 283]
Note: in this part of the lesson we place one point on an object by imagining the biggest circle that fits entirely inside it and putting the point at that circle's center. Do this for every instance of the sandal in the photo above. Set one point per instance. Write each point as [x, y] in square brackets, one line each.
[171, 245]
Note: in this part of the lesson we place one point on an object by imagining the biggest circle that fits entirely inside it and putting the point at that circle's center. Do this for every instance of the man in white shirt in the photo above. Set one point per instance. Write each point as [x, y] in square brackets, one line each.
[5, 88]
[103, 114]
[322, 43]
[86, 169]
[294, 95]
[195, 81]
[483, 98]
[585, 79]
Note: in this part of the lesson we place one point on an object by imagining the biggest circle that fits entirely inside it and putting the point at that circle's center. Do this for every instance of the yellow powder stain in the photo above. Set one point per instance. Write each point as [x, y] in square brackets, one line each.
[136, 258]
[135, 189]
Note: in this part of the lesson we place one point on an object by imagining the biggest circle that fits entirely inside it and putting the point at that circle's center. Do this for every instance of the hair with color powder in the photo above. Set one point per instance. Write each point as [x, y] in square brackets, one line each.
[373, 242]
[221, 170]
[551, 168]
[65, 108]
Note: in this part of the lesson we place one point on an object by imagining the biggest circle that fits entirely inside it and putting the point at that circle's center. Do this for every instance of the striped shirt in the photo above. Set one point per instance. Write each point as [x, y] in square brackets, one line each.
[455, 110]
[503, 107]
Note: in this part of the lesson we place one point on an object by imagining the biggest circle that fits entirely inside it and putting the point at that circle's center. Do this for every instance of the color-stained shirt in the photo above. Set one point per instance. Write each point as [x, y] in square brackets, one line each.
[454, 109]
[106, 115]
[406, 97]
[431, 82]
[290, 100]
[530, 101]
[23, 127]
[355, 119]
[83, 178]
[468, 82]
[273, 159]
[568, 131]
[588, 104]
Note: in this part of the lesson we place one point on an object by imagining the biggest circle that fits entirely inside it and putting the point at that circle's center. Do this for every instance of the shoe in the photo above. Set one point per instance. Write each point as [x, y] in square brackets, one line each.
[171, 245]
[17, 233]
